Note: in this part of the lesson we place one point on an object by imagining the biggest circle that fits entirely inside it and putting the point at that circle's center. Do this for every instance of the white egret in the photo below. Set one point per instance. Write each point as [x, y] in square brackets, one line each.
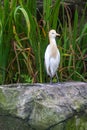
[52, 55]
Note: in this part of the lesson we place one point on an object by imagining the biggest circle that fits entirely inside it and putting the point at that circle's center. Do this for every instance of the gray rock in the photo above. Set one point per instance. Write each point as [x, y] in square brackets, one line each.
[43, 105]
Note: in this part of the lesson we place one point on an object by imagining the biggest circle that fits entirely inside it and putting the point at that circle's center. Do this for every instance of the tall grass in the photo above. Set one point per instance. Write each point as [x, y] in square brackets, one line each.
[5, 38]
[73, 66]
[23, 40]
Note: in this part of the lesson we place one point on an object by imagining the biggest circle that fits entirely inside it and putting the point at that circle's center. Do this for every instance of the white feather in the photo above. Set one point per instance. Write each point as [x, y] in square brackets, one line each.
[52, 62]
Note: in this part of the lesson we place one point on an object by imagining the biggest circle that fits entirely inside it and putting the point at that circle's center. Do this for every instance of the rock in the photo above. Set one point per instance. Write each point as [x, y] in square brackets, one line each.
[11, 123]
[43, 106]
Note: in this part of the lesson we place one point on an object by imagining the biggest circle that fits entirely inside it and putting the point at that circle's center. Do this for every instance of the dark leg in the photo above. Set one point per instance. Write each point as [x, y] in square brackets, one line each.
[50, 80]
[57, 77]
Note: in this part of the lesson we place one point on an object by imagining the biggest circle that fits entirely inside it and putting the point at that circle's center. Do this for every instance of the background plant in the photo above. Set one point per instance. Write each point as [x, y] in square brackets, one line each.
[24, 37]
[73, 66]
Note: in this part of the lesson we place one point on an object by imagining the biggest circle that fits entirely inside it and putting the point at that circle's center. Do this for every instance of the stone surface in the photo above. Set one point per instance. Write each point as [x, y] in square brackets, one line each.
[43, 106]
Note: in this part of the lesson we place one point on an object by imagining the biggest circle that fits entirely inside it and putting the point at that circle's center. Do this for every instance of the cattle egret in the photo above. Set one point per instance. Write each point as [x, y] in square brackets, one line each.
[52, 55]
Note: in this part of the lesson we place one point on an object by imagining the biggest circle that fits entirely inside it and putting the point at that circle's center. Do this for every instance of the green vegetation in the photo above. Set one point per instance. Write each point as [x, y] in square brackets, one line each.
[77, 122]
[23, 40]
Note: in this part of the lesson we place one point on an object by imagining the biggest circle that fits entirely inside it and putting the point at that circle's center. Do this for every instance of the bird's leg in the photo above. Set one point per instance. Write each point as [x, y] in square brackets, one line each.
[50, 79]
[57, 77]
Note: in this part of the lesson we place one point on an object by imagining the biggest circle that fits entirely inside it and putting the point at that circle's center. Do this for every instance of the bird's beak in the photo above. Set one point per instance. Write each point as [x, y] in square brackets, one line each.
[57, 34]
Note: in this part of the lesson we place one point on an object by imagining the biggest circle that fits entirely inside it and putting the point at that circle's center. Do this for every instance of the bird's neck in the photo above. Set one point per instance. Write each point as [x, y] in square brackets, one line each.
[52, 41]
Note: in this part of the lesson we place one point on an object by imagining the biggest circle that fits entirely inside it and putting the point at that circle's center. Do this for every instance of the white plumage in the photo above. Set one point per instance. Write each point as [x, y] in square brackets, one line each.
[52, 55]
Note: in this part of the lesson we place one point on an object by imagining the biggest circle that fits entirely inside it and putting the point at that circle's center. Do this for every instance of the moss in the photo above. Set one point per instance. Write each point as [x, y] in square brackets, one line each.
[8, 100]
[12, 123]
[78, 122]
[77, 105]
[2, 97]
[43, 117]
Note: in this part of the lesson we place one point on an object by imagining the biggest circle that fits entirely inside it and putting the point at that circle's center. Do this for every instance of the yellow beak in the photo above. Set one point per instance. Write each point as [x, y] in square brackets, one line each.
[57, 34]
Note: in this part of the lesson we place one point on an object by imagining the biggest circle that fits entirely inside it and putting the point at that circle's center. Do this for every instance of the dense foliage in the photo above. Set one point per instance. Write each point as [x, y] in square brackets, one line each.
[24, 37]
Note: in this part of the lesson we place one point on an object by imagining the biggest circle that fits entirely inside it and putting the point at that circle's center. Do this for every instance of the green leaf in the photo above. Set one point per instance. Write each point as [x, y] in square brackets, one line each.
[25, 16]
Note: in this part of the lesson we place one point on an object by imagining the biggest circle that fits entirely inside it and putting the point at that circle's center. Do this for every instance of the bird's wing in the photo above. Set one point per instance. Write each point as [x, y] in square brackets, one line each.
[54, 63]
[47, 58]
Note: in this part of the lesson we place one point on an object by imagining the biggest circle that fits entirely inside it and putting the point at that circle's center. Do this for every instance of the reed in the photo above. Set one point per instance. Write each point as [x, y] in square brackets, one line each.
[5, 38]
[73, 65]
[23, 40]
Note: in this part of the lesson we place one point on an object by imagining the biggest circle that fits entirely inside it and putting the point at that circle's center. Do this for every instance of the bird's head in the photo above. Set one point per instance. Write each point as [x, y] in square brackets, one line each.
[53, 33]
